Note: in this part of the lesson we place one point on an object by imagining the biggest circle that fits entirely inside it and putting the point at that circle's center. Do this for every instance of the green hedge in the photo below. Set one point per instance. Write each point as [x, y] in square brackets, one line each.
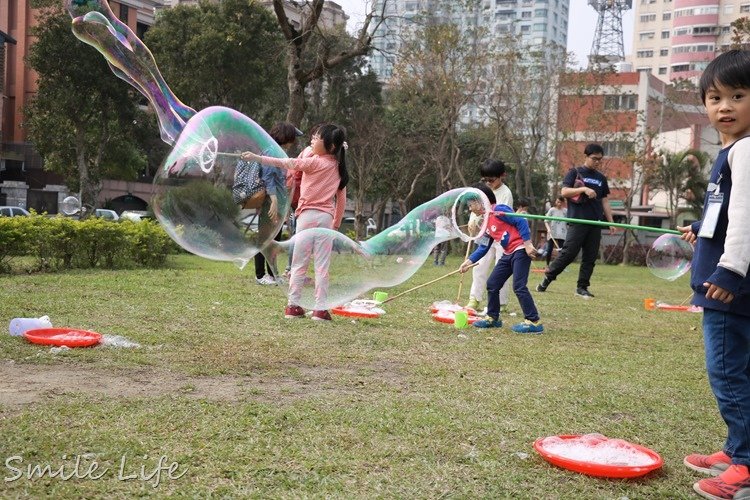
[62, 243]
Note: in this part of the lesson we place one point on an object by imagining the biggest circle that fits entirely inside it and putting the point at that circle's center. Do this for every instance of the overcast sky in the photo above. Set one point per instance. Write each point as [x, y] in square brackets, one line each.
[580, 31]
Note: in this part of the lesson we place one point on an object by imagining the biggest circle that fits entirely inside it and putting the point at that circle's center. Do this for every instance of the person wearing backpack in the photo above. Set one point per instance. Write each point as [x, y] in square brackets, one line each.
[586, 189]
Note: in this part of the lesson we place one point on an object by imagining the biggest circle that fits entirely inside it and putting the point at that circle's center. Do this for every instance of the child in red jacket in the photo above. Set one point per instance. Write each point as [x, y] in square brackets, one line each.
[515, 237]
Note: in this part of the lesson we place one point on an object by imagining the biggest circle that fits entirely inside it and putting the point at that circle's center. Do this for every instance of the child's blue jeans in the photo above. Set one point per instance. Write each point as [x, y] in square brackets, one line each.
[517, 265]
[727, 342]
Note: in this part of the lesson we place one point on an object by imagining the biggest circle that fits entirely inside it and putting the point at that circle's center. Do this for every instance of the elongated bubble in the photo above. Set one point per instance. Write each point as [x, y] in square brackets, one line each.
[95, 24]
[669, 257]
[349, 268]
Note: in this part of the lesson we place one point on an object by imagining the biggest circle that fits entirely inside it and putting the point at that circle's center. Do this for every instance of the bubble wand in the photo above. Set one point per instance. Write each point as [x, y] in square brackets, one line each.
[428, 283]
[594, 223]
[461, 283]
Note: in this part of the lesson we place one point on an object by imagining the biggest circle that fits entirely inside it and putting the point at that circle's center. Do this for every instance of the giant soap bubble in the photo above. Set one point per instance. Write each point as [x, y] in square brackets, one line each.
[193, 197]
[387, 259]
[95, 24]
[195, 203]
[669, 257]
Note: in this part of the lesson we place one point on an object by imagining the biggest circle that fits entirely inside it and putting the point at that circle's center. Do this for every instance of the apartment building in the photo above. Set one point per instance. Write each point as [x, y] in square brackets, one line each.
[537, 22]
[675, 39]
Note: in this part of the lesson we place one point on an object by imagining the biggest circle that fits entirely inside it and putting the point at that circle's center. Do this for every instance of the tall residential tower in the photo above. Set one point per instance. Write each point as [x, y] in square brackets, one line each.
[676, 39]
[537, 22]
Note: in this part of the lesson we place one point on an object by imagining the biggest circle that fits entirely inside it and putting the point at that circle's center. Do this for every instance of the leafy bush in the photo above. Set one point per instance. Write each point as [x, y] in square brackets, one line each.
[612, 254]
[62, 243]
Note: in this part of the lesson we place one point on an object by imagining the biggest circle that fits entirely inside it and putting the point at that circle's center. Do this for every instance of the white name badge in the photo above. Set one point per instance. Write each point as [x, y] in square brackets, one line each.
[711, 217]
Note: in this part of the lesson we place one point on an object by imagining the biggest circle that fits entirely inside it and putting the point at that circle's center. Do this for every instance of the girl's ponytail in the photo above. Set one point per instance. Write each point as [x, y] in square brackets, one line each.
[343, 171]
[334, 139]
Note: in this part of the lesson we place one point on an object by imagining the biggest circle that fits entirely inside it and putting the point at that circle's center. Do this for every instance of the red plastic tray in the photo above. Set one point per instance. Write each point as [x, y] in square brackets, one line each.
[68, 337]
[354, 313]
[598, 469]
[450, 318]
[670, 307]
[469, 310]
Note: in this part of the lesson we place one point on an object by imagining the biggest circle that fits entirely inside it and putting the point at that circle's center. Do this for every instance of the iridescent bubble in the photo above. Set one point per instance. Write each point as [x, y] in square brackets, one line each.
[95, 24]
[194, 199]
[70, 205]
[669, 257]
[387, 259]
[193, 188]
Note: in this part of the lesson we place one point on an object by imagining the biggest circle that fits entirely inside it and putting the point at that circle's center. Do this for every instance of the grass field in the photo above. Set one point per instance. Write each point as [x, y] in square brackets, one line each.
[247, 404]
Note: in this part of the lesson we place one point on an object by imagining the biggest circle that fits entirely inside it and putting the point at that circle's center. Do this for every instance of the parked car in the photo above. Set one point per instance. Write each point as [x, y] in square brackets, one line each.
[135, 215]
[8, 211]
[348, 224]
[106, 214]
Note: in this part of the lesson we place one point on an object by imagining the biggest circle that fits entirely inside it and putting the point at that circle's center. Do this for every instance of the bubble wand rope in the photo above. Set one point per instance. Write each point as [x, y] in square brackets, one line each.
[594, 223]
[425, 284]
[461, 283]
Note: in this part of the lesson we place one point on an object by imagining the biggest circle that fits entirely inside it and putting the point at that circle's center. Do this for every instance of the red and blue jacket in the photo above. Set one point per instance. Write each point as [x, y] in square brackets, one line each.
[511, 232]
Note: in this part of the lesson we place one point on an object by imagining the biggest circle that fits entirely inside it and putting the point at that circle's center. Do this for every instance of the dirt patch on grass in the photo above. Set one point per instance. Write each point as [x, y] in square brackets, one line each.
[26, 384]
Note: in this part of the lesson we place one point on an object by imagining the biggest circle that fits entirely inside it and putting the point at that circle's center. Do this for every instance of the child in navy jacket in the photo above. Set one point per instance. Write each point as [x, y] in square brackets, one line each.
[515, 237]
[720, 274]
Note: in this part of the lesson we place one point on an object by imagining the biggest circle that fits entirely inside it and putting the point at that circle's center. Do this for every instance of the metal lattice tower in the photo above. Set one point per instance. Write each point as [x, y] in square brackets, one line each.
[608, 47]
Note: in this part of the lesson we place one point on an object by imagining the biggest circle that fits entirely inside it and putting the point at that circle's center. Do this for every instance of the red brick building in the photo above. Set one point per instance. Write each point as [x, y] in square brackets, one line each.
[632, 115]
[23, 182]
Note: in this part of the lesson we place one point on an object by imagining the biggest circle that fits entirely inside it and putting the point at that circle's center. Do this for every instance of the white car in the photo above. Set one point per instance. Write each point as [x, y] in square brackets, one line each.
[134, 215]
[106, 214]
[13, 211]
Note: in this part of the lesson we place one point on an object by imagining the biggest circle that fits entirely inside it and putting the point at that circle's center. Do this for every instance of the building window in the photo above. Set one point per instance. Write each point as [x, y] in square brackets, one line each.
[729, 9]
[620, 102]
[677, 68]
[704, 30]
[618, 149]
[662, 70]
[665, 35]
[645, 53]
[540, 13]
[124, 13]
[744, 8]
[525, 28]
[526, 15]
[645, 18]
[663, 52]
[696, 11]
[666, 16]
[539, 27]
[686, 49]
[646, 35]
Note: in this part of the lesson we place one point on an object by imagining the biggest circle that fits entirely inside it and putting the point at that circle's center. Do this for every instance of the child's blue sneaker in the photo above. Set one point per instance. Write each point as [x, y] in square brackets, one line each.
[488, 322]
[532, 327]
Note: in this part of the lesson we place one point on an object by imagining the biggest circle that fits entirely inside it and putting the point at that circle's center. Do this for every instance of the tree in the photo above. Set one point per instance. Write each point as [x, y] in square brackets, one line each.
[740, 33]
[521, 86]
[680, 176]
[82, 119]
[307, 61]
[225, 54]
[436, 77]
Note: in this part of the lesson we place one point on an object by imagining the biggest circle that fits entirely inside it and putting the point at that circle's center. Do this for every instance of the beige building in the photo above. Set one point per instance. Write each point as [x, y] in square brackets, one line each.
[676, 39]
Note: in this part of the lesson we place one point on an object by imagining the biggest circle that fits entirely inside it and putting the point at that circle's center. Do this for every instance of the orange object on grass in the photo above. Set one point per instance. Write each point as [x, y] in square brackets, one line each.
[67, 337]
[592, 468]
[450, 317]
